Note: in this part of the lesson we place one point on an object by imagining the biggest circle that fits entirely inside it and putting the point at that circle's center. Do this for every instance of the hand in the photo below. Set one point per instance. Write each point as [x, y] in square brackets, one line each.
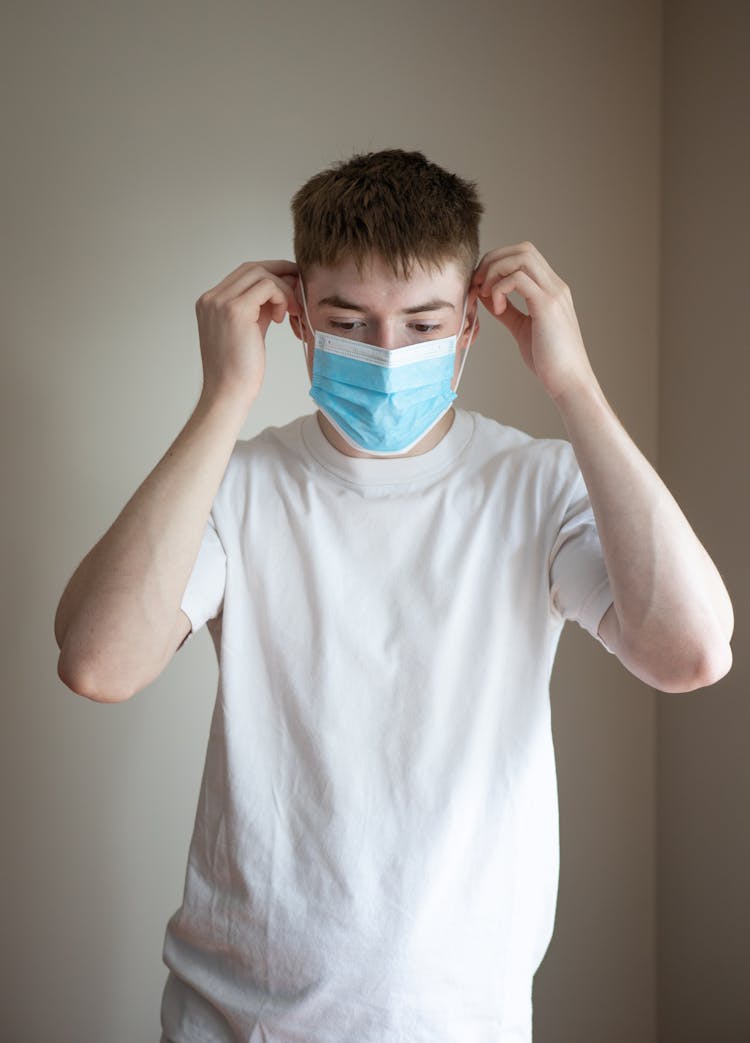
[233, 319]
[549, 337]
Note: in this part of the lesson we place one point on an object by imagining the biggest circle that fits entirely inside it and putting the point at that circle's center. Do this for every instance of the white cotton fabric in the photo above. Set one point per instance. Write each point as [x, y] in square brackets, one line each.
[375, 853]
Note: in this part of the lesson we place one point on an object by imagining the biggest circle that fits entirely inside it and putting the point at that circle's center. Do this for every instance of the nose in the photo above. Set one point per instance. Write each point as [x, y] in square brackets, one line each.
[389, 336]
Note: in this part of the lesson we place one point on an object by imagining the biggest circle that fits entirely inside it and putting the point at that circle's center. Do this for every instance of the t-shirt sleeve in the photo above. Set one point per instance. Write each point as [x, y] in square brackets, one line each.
[204, 594]
[579, 585]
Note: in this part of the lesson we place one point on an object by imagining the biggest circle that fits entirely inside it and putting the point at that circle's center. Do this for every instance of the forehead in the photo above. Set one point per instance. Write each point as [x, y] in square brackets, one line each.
[377, 283]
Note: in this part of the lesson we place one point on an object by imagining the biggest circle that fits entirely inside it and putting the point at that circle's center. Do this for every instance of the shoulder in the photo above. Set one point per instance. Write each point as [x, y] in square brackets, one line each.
[274, 454]
[273, 441]
[525, 484]
[514, 452]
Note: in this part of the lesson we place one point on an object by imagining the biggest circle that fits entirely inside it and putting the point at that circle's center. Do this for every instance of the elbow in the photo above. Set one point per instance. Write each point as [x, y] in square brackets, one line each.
[715, 663]
[702, 668]
[83, 680]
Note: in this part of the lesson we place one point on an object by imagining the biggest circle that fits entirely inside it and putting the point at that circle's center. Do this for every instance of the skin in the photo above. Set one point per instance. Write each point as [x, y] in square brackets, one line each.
[119, 620]
[672, 620]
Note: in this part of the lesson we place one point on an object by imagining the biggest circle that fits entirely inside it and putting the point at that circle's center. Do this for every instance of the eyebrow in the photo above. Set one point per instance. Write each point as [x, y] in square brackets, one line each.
[335, 301]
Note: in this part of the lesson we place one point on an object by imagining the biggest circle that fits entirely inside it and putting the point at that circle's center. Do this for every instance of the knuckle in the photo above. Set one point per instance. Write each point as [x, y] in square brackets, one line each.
[203, 301]
[270, 286]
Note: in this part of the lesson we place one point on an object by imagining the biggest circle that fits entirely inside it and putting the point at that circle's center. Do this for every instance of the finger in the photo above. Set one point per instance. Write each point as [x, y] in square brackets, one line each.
[265, 300]
[269, 293]
[292, 282]
[502, 308]
[258, 276]
[522, 257]
[519, 281]
[502, 267]
[513, 318]
[282, 267]
[494, 301]
[240, 275]
[499, 254]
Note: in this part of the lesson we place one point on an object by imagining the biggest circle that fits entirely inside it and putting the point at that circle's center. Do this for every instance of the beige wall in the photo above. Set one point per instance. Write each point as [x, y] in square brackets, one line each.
[704, 766]
[151, 148]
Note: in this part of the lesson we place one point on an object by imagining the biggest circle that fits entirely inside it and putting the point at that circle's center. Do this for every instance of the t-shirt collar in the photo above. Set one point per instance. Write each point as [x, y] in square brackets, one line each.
[388, 470]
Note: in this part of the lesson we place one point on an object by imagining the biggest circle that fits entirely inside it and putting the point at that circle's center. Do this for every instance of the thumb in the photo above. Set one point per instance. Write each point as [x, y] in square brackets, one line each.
[512, 318]
[500, 307]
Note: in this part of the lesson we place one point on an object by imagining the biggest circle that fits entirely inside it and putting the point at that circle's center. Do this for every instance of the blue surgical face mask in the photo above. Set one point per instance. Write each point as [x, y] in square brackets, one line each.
[383, 401]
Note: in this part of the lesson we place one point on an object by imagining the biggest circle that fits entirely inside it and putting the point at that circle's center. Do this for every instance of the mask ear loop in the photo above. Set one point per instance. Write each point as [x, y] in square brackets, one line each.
[310, 325]
[466, 350]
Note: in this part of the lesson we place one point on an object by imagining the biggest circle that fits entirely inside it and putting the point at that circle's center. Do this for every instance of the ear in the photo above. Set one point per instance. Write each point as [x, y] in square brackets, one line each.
[472, 313]
[477, 327]
[294, 322]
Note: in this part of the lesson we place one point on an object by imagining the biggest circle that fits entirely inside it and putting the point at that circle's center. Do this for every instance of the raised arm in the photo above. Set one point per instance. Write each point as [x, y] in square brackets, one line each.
[671, 620]
[119, 620]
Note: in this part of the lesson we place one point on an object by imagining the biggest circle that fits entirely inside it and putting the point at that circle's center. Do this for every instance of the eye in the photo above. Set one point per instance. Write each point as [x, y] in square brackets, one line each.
[426, 327]
[348, 326]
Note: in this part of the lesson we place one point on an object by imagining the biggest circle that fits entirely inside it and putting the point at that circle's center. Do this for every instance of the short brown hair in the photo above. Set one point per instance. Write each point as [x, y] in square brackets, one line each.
[394, 204]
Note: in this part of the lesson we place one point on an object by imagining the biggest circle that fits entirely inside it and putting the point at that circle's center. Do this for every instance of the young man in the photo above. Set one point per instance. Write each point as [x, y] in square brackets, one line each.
[385, 581]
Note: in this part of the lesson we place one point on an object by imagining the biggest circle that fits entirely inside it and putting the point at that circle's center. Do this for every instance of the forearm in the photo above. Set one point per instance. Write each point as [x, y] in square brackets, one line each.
[673, 614]
[671, 620]
[118, 615]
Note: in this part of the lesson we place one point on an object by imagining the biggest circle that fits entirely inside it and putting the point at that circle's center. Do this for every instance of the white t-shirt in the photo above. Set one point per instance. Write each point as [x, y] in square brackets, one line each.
[375, 853]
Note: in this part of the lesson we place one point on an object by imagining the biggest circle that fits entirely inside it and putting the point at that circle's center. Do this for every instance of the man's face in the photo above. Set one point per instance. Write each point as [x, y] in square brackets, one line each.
[379, 308]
